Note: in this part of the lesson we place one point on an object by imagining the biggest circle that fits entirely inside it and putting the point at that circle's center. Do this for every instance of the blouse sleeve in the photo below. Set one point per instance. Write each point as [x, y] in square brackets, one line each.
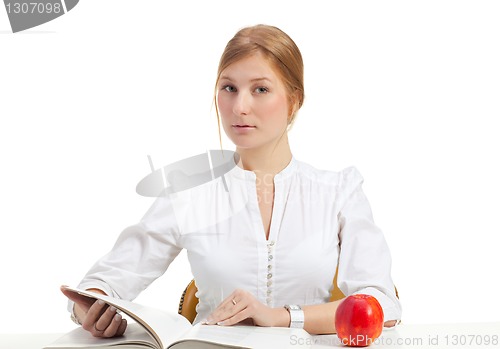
[141, 254]
[365, 260]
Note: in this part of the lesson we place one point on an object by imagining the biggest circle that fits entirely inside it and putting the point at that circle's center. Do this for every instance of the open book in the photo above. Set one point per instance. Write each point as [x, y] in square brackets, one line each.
[157, 329]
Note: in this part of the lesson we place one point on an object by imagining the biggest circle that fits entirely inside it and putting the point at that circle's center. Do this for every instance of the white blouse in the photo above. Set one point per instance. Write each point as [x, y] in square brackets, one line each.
[319, 218]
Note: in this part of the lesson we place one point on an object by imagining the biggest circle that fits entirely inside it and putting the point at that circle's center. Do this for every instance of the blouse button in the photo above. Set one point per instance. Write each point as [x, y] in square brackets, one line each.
[270, 257]
[269, 275]
[269, 283]
[269, 267]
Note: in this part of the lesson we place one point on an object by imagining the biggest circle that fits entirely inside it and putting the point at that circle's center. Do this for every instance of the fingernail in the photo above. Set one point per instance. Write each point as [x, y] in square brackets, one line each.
[117, 317]
[100, 302]
[221, 323]
[112, 309]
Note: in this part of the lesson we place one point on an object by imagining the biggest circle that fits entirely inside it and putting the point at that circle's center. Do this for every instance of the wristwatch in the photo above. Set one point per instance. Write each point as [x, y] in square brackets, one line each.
[296, 315]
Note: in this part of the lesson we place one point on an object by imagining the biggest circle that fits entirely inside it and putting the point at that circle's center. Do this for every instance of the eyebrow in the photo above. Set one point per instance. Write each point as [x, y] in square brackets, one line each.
[225, 77]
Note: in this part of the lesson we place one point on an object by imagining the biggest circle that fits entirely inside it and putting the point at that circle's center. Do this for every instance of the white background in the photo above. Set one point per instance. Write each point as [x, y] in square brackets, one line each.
[407, 91]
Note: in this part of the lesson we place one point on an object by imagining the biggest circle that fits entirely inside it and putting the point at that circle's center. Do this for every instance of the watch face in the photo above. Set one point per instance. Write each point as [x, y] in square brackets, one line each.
[294, 307]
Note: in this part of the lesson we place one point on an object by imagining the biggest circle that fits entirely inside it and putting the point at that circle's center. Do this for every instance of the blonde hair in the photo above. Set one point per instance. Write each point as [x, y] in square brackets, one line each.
[281, 52]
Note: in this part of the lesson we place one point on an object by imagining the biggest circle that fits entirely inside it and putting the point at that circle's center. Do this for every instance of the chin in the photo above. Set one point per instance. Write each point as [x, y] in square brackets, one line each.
[244, 145]
[243, 142]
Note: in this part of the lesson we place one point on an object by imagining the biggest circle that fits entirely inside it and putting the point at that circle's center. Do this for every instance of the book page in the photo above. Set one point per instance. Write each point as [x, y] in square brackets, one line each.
[245, 336]
[135, 335]
[164, 327]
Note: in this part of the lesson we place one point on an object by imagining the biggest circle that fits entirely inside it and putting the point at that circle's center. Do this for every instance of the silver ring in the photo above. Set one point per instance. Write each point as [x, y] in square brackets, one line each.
[98, 330]
[234, 302]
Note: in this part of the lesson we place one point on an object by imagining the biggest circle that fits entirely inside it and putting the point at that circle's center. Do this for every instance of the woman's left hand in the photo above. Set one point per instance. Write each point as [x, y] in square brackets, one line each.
[242, 305]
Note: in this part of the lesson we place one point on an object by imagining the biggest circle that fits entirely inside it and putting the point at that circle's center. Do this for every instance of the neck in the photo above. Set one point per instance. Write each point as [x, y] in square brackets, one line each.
[267, 159]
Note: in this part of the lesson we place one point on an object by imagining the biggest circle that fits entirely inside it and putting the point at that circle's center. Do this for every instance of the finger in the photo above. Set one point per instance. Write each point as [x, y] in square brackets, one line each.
[113, 326]
[122, 327]
[105, 321]
[214, 316]
[232, 300]
[227, 307]
[93, 314]
[219, 314]
[225, 304]
[226, 311]
[236, 318]
[83, 301]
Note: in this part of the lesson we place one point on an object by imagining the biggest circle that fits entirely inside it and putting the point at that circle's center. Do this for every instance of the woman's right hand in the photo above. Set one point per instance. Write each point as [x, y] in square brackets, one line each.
[100, 319]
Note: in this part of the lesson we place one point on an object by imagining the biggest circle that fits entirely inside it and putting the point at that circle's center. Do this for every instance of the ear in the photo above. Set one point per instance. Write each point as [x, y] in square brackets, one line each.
[294, 106]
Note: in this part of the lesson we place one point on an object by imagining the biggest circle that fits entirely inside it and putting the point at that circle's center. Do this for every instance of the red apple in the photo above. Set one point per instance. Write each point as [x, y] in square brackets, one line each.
[359, 320]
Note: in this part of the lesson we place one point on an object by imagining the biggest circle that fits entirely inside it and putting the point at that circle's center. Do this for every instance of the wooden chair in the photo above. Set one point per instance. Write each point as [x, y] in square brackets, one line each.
[188, 302]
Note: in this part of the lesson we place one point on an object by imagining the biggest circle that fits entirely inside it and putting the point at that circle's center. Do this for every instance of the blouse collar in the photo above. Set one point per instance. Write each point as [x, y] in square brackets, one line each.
[241, 173]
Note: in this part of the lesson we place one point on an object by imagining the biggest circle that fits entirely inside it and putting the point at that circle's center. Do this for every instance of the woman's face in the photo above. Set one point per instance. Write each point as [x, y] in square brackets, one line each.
[252, 103]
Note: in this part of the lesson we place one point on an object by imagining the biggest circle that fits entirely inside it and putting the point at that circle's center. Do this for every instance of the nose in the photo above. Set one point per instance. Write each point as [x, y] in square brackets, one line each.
[242, 104]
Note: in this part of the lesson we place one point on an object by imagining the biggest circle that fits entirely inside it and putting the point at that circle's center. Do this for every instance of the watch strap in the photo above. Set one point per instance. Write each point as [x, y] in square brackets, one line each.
[296, 315]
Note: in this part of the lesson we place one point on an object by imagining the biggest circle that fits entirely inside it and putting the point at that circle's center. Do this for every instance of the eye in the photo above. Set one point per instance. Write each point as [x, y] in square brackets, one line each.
[229, 88]
[261, 89]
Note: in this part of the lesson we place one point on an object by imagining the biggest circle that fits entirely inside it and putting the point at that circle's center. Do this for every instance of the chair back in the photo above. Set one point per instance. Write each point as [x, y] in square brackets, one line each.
[188, 302]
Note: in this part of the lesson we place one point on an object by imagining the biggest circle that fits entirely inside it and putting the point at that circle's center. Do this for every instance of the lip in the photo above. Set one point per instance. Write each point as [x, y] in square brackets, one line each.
[242, 129]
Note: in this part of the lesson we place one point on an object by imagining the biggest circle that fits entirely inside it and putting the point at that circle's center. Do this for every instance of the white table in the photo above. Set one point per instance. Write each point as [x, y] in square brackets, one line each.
[473, 335]
[27, 341]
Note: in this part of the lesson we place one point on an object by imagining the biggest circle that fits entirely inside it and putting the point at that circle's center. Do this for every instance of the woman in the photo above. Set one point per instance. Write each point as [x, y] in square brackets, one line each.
[265, 240]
